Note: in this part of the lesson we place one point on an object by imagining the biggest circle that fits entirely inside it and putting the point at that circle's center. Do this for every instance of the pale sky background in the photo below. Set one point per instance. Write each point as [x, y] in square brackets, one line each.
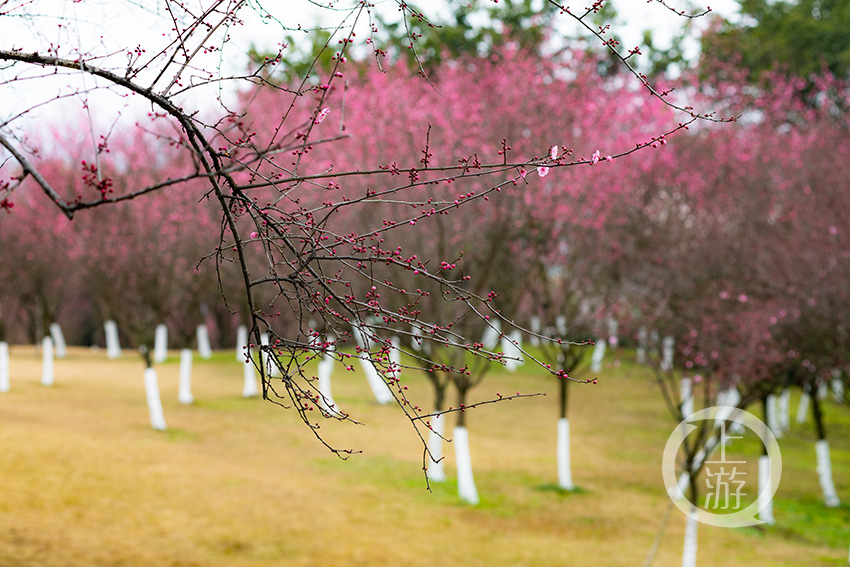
[110, 26]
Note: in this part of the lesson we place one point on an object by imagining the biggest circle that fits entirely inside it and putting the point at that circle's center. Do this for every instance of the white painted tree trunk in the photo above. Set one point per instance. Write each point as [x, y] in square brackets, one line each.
[465, 480]
[822, 391]
[379, 388]
[511, 347]
[837, 387]
[686, 396]
[395, 357]
[416, 340]
[730, 397]
[772, 417]
[597, 356]
[565, 472]
[241, 342]
[113, 345]
[47, 362]
[561, 325]
[435, 466]
[613, 333]
[204, 350]
[724, 412]
[785, 410]
[184, 392]
[667, 353]
[824, 470]
[264, 357]
[653, 341]
[326, 398]
[684, 482]
[4, 366]
[536, 326]
[249, 377]
[708, 448]
[58, 340]
[689, 551]
[492, 334]
[516, 340]
[640, 353]
[803, 408]
[154, 401]
[765, 500]
[160, 344]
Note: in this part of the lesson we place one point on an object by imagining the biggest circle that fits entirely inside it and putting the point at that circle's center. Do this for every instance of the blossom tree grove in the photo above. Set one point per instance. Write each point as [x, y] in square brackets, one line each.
[306, 237]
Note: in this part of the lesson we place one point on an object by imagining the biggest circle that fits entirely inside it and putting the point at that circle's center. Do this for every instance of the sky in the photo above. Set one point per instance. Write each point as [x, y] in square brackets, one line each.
[111, 26]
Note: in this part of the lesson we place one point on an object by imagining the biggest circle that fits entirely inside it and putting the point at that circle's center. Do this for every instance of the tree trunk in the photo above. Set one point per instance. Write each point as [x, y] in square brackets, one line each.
[203, 336]
[462, 390]
[824, 459]
[249, 376]
[564, 397]
[436, 464]
[803, 408]
[160, 344]
[324, 370]
[154, 401]
[241, 343]
[113, 345]
[689, 551]
[463, 460]
[184, 393]
[465, 480]
[47, 361]
[837, 386]
[686, 397]
[598, 356]
[771, 415]
[785, 410]
[58, 339]
[765, 500]
[379, 388]
[565, 473]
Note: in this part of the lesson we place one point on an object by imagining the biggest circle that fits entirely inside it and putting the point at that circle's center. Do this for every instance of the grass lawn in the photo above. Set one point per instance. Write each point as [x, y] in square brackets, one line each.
[85, 481]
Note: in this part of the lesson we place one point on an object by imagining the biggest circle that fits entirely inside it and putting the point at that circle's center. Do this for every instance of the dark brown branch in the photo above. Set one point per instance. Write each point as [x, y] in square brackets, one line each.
[30, 170]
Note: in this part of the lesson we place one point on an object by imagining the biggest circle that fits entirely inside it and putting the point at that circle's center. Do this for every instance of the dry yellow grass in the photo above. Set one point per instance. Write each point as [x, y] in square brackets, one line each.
[85, 481]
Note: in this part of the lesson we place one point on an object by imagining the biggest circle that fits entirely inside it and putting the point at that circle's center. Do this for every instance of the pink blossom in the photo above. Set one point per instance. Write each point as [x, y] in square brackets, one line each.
[542, 171]
[554, 152]
[595, 158]
[254, 235]
[321, 115]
